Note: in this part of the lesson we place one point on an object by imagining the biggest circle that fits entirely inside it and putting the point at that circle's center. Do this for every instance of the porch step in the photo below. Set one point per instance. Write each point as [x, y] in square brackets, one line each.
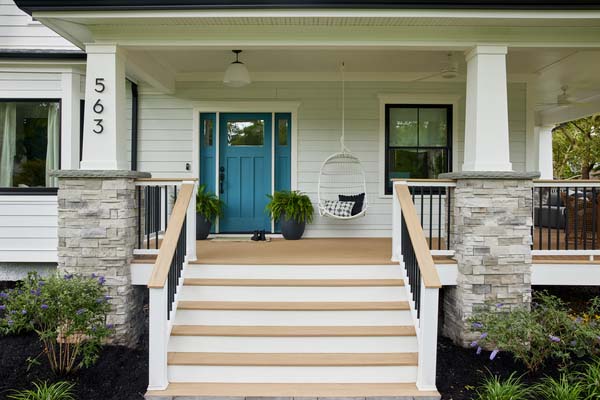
[294, 390]
[293, 359]
[292, 331]
[294, 282]
[293, 305]
[209, 271]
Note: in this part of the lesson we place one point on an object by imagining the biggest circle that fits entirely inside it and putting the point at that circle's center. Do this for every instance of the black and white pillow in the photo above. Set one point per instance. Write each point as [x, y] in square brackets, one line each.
[358, 200]
[339, 208]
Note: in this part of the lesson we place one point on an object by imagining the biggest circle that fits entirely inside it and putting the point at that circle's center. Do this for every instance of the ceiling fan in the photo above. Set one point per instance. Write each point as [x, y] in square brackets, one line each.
[449, 70]
[563, 99]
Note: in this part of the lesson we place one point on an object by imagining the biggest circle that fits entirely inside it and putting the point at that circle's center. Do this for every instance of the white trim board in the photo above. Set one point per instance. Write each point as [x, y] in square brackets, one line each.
[414, 98]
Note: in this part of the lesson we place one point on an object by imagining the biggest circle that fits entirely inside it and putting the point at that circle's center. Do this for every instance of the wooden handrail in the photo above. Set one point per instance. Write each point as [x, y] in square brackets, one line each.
[429, 273]
[169, 243]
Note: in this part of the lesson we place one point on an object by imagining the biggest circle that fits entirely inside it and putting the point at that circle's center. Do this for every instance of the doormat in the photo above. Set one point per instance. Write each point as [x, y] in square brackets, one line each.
[236, 239]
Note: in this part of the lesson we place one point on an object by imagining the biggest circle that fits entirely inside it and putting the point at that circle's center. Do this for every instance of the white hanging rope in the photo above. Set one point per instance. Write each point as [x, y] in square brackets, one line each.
[342, 139]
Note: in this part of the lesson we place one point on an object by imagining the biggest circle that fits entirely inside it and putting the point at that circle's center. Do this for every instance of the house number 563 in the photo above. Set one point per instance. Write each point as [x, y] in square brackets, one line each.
[98, 107]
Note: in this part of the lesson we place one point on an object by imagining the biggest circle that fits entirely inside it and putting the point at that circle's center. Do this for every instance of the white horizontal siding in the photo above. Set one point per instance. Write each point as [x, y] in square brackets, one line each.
[166, 129]
[19, 31]
[15, 84]
[28, 228]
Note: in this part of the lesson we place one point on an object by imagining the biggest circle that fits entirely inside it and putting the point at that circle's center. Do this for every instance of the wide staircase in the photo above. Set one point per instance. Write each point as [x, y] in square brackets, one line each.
[286, 330]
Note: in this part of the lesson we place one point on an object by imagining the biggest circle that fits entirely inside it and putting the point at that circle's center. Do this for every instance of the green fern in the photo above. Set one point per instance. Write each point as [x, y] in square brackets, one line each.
[294, 205]
[208, 204]
[44, 391]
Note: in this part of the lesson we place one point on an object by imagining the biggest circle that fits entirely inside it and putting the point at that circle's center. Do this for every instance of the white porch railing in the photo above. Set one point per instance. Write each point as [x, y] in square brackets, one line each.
[566, 218]
[411, 250]
[176, 249]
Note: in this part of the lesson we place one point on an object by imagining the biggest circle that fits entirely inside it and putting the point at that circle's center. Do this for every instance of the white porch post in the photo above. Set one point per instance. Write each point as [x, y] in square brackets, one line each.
[544, 148]
[191, 225]
[428, 332]
[70, 119]
[396, 224]
[158, 338]
[105, 132]
[486, 124]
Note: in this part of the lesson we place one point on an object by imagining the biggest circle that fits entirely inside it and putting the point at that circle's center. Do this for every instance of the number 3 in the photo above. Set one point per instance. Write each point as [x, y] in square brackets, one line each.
[98, 128]
[100, 85]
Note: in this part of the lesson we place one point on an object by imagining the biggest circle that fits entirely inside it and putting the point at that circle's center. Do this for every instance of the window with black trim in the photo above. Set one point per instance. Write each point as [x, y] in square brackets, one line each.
[418, 141]
[29, 143]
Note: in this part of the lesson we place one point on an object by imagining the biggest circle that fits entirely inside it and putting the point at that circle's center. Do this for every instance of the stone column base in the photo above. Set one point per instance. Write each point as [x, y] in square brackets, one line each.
[97, 230]
[492, 221]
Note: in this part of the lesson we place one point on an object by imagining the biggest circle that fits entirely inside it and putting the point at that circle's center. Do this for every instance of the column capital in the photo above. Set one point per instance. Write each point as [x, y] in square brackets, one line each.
[103, 48]
[484, 49]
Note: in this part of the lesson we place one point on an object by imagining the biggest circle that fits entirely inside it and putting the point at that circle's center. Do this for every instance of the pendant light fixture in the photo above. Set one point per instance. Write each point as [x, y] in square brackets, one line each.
[236, 74]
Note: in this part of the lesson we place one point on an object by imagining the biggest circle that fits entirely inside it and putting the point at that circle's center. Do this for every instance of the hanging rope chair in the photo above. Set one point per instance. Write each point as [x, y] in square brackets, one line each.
[342, 179]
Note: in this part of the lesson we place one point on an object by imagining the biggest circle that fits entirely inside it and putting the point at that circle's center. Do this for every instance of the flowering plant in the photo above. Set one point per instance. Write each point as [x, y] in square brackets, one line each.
[548, 330]
[68, 314]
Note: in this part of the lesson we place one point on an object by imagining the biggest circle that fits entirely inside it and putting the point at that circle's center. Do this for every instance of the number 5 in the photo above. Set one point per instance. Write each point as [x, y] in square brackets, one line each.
[98, 128]
[100, 85]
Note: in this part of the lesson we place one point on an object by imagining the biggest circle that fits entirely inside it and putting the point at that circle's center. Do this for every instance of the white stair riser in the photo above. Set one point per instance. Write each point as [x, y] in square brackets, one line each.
[293, 272]
[293, 318]
[245, 344]
[277, 374]
[278, 293]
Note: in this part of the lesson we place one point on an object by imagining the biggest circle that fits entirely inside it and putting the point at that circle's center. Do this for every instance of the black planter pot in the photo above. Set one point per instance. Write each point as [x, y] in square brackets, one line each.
[202, 227]
[290, 229]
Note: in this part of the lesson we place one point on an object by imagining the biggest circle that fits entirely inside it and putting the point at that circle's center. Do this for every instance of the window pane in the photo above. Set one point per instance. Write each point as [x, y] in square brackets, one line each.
[208, 133]
[433, 126]
[416, 164]
[246, 133]
[403, 126]
[283, 132]
[29, 136]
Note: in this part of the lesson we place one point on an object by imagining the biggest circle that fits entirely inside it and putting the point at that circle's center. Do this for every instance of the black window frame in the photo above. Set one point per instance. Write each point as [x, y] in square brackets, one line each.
[36, 191]
[448, 148]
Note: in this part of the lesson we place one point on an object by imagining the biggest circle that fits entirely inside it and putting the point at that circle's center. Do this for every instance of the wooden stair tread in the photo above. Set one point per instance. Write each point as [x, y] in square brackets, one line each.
[294, 390]
[293, 282]
[293, 305]
[294, 359]
[291, 331]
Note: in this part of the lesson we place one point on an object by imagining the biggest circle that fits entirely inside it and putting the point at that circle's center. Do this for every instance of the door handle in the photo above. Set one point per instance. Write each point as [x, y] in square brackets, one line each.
[221, 179]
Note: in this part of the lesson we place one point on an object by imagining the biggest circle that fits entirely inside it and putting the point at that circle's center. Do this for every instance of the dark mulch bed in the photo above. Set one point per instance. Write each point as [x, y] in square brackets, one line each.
[121, 373]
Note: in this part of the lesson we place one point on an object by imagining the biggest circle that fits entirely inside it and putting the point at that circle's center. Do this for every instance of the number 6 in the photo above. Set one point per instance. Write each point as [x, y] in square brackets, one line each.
[98, 107]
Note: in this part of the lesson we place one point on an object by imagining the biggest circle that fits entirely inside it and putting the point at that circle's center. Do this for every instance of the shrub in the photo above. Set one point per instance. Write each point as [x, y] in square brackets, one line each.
[562, 388]
[294, 204]
[44, 391]
[548, 330]
[590, 379]
[494, 388]
[208, 204]
[67, 313]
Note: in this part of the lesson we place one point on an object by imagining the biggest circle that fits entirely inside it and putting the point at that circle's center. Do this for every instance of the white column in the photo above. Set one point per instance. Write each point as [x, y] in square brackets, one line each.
[544, 147]
[486, 123]
[191, 225]
[105, 132]
[69, 115]
[427, 337]
[158, 337]
[396, 224]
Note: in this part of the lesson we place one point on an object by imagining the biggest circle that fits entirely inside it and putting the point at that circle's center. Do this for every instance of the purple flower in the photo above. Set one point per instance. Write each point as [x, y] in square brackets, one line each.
[101, 280]
[41, 283]
[10, 322]
[483, 335]
[80, 311]
[474, 343]
[94, 276]
[499, 305]
[107, 297]
[4, 295]
[477, 325]
[578, 320]
[2, 307]
[36, 292]
[479, 350]
[68, 276]
[23, 312]
[554, 339]
[44, 306]
[100, 300]
[109, 326]
[574, 343]
[494, 354]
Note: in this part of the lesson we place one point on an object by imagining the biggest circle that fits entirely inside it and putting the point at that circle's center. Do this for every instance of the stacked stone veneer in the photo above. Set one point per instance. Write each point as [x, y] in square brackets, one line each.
[97, 232]
[492, 221]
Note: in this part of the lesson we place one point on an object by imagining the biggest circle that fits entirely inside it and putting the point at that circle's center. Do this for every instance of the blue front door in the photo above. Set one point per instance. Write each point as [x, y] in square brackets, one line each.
[245, 151]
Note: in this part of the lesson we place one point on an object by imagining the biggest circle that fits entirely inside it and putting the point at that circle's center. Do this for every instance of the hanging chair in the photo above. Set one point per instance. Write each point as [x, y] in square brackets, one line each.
[342, 179]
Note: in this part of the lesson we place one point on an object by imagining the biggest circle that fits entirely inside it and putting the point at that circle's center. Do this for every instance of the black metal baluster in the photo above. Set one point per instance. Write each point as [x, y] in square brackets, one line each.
[147, 215]
[584, 228]
[430, 217]
[576, 216]
[540, 228]
[439, 218]
[139, 217]
[449, 222]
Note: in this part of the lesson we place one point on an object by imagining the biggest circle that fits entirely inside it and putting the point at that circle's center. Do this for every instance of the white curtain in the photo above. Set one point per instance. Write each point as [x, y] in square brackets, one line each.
[52, 155]
[8, 123]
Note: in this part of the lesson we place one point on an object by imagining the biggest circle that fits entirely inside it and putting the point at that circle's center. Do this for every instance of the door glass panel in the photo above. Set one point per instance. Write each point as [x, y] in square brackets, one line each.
[433, 130]
[282, 130]
[403, 125]
[246, 132]
[208, 133]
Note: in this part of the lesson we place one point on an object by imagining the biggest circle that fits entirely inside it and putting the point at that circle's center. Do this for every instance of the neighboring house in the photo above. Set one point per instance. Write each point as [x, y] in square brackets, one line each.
[126, 99]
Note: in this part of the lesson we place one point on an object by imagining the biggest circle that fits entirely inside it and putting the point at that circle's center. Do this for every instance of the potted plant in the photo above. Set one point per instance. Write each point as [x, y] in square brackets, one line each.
[208, 207]
[294, 209]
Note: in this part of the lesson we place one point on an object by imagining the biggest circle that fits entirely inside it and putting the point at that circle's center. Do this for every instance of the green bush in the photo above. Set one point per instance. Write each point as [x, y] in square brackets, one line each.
[494, 388]
[563, 388]
[67, 313]
[548, 330]
[293, 204]
[208, 204]
[44, 391]
[590, 379]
